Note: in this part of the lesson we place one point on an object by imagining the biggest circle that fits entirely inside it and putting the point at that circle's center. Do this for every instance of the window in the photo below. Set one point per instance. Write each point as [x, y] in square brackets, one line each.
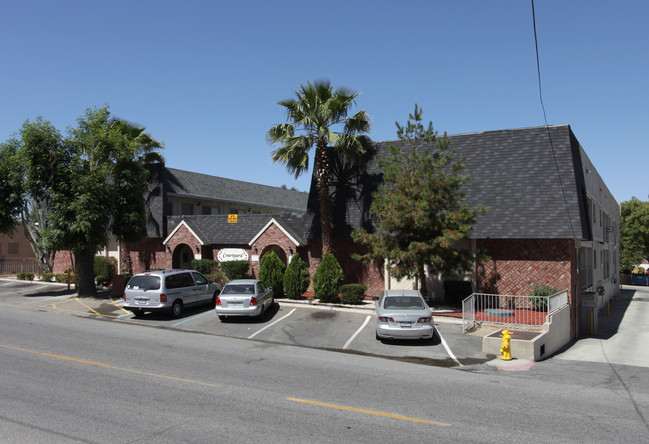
[12, 248]
[188, 209]
[206, 210]
[170, 209]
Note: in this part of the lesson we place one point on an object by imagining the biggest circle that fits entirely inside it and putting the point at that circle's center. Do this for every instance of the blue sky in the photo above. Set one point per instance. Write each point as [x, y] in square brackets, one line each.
[204, 76]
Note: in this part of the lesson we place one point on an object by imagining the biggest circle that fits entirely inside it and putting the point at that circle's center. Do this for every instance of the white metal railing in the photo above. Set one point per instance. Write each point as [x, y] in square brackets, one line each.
[10, 267]
[507, 309]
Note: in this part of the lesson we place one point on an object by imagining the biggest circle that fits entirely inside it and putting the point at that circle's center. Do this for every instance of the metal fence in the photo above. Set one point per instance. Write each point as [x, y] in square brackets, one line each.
[505, 309]
[11, 267]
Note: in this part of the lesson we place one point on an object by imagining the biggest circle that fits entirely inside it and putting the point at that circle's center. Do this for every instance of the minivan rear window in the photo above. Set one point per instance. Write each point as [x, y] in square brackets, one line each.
[144, 283]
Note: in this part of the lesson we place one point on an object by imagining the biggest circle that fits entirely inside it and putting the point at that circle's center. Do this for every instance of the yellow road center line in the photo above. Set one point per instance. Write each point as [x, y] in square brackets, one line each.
[100, 364]
[369, 412]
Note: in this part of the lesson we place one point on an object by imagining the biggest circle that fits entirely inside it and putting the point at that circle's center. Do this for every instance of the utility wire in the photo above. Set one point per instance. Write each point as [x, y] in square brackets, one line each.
[545, 118]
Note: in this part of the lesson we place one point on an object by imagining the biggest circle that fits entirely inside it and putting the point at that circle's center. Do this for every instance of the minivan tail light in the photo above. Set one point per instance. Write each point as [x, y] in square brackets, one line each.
[125, 296]
[163, 297]
[253, 301]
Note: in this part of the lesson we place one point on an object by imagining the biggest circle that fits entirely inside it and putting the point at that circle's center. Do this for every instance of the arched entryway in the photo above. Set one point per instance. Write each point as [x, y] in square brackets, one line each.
[278, 251]
[182, 257]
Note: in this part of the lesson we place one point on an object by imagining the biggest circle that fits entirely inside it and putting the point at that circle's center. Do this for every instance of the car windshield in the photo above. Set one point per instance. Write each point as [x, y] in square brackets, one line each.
[144, 283]
[403, 303]
[239, 289]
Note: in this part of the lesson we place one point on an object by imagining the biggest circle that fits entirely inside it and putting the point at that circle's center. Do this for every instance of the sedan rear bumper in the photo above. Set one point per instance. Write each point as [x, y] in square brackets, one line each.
[239, 311]
[388, 331]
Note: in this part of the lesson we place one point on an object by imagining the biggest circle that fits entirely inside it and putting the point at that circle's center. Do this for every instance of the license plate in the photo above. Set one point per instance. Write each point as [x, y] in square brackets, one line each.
[406, 325]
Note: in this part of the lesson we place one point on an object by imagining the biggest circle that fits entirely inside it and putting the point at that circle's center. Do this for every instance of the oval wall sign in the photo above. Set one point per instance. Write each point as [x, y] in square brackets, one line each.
[232, 254]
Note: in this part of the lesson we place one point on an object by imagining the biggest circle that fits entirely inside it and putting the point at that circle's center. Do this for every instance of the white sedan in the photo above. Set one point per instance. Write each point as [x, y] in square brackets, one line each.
[403, 314]
[244, 297]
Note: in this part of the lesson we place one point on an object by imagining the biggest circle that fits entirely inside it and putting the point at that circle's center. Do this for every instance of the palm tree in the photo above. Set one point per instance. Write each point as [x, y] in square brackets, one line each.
[140, 150]
[313, 116]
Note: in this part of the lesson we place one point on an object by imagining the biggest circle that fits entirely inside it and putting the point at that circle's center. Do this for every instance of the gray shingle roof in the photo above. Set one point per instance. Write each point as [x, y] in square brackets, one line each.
[215, 229]
[203, 186]
[513, 172]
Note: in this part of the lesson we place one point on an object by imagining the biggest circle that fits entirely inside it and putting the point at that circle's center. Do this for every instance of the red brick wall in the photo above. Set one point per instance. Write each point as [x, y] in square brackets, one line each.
[516, 264]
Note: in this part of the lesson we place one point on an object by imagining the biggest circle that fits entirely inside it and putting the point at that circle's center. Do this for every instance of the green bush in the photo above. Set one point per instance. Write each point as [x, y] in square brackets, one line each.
[205, 266]
[47, 277]
[296, 278]
[540, 290]
[271, 272]
[105, 268]
[352, 293]
[219, 277]
[62, 278]
[327, 279]
[21, 276]
[235, 269]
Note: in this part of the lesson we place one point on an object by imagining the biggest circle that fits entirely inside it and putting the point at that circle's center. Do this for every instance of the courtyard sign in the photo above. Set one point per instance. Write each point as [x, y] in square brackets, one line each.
[232, 254]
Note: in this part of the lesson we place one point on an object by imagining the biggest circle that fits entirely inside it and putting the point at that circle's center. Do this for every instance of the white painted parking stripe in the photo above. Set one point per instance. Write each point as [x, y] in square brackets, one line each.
[270, 325]
[367, 319]
[448, 350]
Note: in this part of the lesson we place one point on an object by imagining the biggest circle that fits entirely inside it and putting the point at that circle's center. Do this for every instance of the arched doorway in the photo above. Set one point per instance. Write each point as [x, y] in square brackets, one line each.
[182, 257]
[278, 251]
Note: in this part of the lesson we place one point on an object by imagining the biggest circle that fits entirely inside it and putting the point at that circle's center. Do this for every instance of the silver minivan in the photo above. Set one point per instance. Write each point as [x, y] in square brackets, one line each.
[168, 290]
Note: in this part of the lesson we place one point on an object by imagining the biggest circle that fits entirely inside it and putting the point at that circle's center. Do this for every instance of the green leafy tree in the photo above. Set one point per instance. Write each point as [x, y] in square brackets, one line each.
[419, 210]
[89, 184]
[271, 272]
[296, 277]
[11, 186]
[634, 233]
[318, 117]
[327, 279]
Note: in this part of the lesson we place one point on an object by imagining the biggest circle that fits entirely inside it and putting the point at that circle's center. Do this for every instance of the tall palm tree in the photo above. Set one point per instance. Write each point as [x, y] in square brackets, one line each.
[318, 117]
[140, 150]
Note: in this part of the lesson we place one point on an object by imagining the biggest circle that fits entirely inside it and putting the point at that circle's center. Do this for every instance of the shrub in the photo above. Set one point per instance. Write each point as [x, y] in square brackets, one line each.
[271, 272]
[62, 278]
[219, 277]
[327, 279]
[47, 277]
[296, 278]
[352, 293]
[105, 268]
[235, 269]
[205, 266]
[540, 290]
[20, 276]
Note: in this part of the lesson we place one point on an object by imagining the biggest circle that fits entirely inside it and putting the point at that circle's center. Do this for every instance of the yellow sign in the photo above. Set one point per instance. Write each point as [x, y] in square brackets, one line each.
[232, 218]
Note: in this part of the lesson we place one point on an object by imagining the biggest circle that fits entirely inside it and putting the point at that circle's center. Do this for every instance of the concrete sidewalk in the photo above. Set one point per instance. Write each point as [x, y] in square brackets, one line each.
[623, 335]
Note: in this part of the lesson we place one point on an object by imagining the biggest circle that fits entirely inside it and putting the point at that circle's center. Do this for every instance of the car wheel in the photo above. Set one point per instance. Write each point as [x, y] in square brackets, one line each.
[138, 313]
[177, 308]
[377, 337]
[216, 295]
[222, 318]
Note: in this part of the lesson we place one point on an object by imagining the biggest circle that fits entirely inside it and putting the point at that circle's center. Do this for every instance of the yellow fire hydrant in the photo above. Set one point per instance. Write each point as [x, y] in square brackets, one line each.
[505, 348]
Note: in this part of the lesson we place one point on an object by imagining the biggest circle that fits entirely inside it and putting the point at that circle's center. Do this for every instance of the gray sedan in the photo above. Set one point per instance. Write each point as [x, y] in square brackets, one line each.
[403, 314]
[244, 297]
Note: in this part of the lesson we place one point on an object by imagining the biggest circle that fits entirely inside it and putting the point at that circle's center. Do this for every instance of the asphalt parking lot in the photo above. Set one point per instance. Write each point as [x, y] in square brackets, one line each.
[342, 329]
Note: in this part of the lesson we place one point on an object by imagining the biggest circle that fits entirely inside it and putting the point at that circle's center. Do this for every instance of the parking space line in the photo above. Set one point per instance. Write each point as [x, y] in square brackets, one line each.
[370, 412]
[448, 350]
[270, 325]
[367, 319]
[191, 319]
[119, 306]
[43, 300]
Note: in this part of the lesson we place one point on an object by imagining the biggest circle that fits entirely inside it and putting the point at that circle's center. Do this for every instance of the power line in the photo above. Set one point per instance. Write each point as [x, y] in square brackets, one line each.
[545, 119]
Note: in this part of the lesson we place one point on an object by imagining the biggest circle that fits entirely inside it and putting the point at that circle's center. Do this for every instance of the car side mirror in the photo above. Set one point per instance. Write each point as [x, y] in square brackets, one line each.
[375, 298]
